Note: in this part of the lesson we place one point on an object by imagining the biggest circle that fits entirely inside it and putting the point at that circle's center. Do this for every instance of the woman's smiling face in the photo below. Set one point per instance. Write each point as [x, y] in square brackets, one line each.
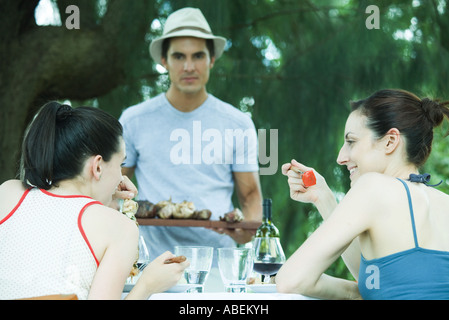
[361, 152]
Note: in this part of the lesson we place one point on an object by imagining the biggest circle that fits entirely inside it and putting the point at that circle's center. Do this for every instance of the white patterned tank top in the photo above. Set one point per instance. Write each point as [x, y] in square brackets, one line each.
[43, 247]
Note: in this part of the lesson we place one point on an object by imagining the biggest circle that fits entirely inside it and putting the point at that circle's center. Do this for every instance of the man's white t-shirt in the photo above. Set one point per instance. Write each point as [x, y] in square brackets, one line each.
[188, 156]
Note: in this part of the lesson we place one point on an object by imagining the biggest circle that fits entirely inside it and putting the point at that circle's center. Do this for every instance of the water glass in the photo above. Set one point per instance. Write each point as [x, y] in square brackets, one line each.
[200, 259]
[235, 265]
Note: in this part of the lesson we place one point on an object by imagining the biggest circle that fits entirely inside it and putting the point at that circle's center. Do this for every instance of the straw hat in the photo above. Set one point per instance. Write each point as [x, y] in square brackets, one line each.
[186, 22]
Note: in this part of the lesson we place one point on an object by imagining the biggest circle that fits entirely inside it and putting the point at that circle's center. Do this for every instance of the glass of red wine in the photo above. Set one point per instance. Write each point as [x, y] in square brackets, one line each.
[268, 256]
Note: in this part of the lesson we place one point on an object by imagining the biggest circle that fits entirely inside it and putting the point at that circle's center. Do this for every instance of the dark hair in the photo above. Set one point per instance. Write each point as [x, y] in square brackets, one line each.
[59, 140]
[415, 118]
[209, 44]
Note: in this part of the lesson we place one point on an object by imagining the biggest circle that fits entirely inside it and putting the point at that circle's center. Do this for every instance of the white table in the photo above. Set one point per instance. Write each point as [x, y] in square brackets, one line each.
[214, 290]
[224, 296]
[227, 296]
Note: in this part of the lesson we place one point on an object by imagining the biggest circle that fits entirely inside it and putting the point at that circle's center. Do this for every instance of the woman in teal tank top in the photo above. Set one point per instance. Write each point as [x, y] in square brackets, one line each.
[391, 226]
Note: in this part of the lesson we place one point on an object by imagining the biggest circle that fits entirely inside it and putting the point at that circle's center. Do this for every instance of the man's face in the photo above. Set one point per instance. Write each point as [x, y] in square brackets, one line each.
[188, 63]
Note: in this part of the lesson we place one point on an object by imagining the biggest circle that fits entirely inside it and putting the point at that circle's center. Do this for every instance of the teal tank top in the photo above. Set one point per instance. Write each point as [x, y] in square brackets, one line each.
[414, 274]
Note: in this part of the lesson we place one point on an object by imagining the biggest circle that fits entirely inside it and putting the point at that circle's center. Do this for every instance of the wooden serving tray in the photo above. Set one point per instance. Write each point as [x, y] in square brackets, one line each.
[249, 225]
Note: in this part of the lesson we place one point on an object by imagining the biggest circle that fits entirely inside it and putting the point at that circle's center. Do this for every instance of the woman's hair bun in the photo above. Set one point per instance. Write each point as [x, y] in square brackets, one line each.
[433, 111]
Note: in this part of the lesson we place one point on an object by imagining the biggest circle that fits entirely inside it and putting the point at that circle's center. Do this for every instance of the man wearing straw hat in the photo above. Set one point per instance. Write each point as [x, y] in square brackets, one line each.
[185, 144]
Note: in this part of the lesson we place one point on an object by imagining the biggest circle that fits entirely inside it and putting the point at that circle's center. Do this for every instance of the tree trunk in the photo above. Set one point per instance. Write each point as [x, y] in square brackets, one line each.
[48, 63]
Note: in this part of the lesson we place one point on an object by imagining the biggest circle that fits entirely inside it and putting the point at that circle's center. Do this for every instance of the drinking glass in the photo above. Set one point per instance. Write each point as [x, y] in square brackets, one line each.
[268, 256]
[144, 256]
[142, 261]
[235, 265]
[200, 259]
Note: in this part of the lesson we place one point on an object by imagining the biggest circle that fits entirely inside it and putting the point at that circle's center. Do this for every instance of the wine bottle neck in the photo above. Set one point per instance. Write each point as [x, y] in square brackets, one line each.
[267, 229]
[267, 213]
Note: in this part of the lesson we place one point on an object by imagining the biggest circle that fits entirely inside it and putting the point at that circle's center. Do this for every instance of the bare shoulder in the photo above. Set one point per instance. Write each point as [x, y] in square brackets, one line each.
[10, 193]
[438, 193]
[374, 192]
[106, 227]
[438, 198]
[110, 219]
[373, 184]
[11, 186]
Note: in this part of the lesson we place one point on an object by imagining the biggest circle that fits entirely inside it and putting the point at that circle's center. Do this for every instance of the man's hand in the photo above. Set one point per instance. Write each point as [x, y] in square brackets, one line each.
[239, 235]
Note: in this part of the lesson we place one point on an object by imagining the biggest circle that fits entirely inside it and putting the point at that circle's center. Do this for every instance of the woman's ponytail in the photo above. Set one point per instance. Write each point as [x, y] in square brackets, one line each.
[60, 139]
[36, 166]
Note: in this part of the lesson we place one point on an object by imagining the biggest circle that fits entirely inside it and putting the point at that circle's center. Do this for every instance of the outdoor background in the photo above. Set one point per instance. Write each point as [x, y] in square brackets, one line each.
[292, 65]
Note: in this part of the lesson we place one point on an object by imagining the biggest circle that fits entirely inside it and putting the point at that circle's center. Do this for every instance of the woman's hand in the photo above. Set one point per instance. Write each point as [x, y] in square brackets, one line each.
[158, 276]
[298, 191]
[125, 190]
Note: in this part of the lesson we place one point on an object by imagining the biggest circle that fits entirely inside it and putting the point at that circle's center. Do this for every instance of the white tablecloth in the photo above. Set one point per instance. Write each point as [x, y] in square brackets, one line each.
[227, 296]
[214, 290]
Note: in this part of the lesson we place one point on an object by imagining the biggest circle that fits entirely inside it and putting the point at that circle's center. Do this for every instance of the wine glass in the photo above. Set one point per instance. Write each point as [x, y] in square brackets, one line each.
[268, 256]
[144, 256]
[142, 261]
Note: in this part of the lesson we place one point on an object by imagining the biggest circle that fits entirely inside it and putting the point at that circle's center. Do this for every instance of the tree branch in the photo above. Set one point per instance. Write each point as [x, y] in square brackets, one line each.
[89, 55]
[443, 26]
[280, 13]
[17, 17]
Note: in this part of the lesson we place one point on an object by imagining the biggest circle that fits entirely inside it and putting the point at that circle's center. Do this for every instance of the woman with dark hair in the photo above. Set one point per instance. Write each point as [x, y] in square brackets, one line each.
[57, 233]
[391, 227]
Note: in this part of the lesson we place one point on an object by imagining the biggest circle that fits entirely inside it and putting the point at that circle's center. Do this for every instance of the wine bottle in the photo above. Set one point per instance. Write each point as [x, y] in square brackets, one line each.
[267, 228]
[268, 253]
